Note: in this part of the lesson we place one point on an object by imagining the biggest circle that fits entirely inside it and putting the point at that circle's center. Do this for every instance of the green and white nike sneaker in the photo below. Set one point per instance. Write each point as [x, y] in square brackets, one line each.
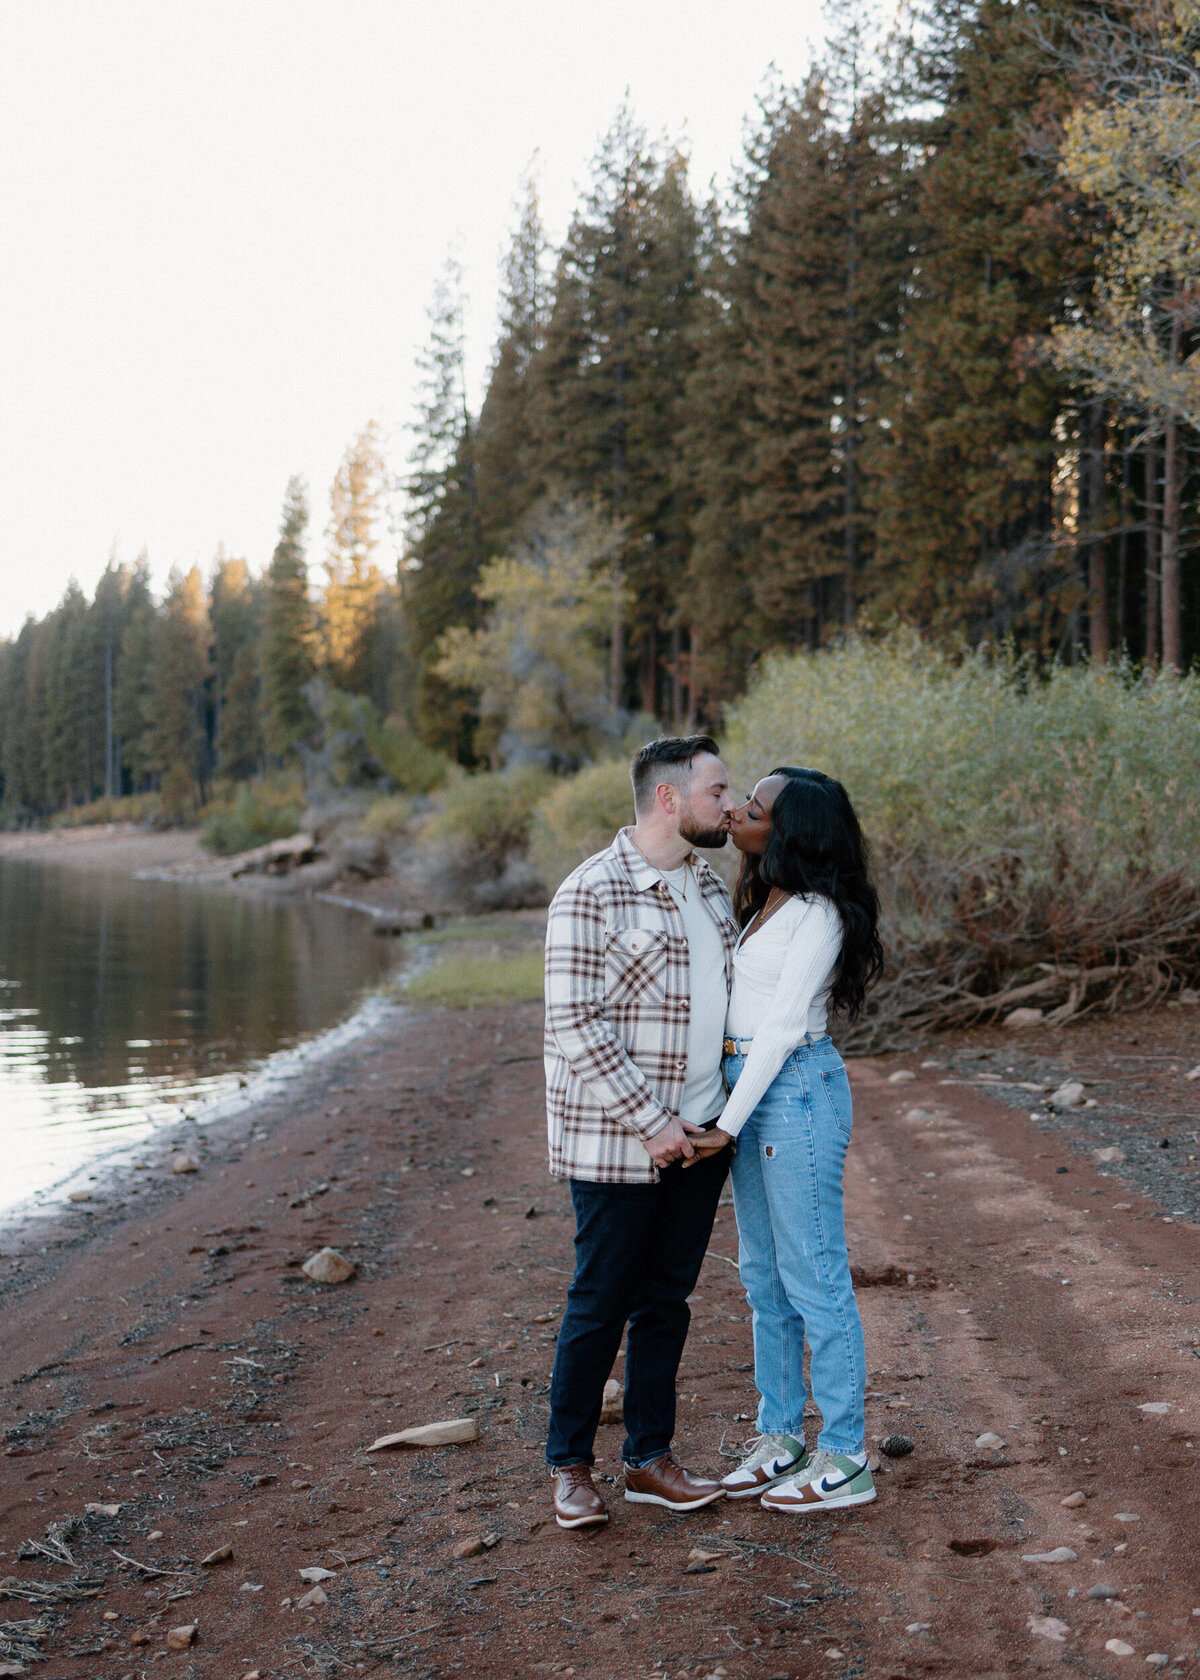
[828, 1482]
[772, 1458]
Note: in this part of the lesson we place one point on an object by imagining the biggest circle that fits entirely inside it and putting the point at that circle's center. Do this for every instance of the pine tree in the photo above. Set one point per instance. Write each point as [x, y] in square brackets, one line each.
[68, 739]
[132, 684]
[288, 658]
[445, 537]
[355, 586]
[609, 380]
[235, 613]
[968, 537]
[505, 445]
[177, 740]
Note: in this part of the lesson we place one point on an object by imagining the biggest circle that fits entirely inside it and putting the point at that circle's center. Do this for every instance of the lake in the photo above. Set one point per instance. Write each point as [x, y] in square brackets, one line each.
[123, 1002]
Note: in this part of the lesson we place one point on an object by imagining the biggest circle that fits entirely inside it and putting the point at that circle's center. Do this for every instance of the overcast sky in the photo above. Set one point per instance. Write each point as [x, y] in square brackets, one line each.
[221, 220]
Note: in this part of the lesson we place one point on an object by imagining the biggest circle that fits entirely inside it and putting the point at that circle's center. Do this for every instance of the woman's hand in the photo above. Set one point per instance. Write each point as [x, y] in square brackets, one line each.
[707, 1143]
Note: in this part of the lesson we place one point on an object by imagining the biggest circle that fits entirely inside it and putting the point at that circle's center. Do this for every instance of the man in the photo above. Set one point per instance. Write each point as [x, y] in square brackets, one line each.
[639, 951]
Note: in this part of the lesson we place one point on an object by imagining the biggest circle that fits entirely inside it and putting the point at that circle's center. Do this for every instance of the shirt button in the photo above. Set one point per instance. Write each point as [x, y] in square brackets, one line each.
[681, 1064]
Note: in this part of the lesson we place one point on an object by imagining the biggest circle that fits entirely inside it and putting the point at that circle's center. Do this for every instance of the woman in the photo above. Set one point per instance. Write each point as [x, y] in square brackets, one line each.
[809, 919]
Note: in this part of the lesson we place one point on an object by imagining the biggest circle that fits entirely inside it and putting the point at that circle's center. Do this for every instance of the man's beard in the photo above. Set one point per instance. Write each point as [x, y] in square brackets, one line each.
[711, 838]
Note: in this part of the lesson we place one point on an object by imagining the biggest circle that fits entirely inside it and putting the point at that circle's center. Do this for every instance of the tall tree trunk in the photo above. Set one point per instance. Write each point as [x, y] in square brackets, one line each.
[616, 647]
[850, 459]
[676, 679]
[110, 788]
[1123, 550]
[1153, 538]
[649, 664]
[693, 686]
[1172, 476]
[1099, 641]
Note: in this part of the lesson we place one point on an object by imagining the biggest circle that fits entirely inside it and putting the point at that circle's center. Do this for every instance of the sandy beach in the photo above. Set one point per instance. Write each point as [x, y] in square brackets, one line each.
[176, 1390]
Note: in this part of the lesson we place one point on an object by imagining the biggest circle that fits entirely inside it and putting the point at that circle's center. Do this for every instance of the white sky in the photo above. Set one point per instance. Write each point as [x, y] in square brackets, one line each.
[221, 220]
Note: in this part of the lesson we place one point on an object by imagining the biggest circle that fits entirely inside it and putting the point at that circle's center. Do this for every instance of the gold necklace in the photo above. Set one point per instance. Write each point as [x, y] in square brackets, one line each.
[768, 910]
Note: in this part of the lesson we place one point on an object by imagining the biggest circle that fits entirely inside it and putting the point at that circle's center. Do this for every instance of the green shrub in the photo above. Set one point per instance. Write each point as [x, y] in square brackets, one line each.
[1015, 819]
[259, 812]
[579, 817]
[486, 819]
[140, 808]
[389, 816]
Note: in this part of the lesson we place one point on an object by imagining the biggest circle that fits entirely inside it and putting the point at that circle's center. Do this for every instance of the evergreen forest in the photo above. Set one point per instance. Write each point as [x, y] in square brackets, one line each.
[932, 361]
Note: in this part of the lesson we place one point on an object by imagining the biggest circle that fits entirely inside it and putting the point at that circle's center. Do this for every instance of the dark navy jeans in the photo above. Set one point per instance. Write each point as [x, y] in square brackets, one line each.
[638, 1252]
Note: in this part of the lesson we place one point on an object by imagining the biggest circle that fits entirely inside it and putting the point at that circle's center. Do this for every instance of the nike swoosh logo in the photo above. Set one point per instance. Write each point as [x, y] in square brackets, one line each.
[834, 1487]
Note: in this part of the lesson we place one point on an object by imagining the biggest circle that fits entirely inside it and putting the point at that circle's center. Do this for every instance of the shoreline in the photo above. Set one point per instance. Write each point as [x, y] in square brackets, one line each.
[173, 855]
[108, 1172]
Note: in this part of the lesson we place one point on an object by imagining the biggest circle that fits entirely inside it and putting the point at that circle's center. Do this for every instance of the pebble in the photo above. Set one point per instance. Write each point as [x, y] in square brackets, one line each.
[328, 1266]
[1073, 1501]
[179, 1638]
[1048, 1627]
[1070, 1095]
[988, 1439]
[612, 1406]
[1103, 1155]
[902, 1076]
[316, 1573]
[80, 1196]
[896, 1446]
[314, 1597]
[1158, 1659]
[1023, 1018]
[1060, 1554]
[223, 1554]
[1102, 1591]
[1159, 1407]
[918, 1627]
[182, 1163]
[1194, 1074]
[470, 1547]
[1118, 1647]
[1126, 1516]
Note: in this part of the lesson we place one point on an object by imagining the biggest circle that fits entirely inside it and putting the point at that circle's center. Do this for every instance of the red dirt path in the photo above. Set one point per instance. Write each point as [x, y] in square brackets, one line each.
[164, 1353]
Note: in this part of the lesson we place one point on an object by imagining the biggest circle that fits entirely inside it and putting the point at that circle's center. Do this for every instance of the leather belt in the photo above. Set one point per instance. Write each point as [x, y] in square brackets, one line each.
[736, 1046]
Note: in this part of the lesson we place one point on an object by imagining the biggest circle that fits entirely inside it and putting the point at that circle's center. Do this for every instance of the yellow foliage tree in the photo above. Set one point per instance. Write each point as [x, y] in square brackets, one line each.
[538, 663]
[355, 585]
[1135, 147]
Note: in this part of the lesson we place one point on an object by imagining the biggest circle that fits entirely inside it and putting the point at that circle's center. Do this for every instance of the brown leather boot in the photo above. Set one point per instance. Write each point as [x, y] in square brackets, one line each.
[576, 1502]
[663, 1482]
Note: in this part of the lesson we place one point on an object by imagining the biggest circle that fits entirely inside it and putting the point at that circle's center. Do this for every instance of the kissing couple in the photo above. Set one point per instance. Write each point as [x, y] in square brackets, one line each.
[686, 1042]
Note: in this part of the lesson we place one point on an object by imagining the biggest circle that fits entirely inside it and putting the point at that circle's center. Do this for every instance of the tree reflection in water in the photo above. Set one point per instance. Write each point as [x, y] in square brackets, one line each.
[116, 994]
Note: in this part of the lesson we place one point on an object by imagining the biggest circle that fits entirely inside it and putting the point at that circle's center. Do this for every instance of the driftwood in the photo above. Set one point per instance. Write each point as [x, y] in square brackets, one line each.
[277, 857]
[1076, 947]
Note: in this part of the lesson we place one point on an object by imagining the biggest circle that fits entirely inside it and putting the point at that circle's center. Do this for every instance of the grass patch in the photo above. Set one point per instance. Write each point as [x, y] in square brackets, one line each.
[467, 977]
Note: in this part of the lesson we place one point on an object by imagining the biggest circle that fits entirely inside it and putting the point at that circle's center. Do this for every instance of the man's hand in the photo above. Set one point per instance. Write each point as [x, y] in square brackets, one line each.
[708, 1143]
[672, 1142]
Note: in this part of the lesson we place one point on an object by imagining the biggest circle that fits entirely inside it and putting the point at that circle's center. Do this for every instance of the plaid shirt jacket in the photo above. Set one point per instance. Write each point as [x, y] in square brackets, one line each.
[617, 1011]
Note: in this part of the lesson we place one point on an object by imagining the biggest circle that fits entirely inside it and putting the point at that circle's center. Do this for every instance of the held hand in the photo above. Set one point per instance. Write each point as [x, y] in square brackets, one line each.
[672, 1142]
[708, 1143]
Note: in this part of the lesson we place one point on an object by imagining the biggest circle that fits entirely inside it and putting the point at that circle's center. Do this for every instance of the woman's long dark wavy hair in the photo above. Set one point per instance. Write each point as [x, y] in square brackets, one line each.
[816, 847]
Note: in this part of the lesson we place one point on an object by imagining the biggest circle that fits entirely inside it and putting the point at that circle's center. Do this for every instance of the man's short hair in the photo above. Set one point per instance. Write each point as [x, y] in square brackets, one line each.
[668, 760]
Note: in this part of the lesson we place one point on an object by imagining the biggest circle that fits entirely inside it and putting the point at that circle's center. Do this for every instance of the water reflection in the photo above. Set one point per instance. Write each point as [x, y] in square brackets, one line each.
[118, 996]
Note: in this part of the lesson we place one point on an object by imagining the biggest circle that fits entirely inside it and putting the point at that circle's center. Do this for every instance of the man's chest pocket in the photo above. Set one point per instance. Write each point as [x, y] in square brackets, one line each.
[636, 963]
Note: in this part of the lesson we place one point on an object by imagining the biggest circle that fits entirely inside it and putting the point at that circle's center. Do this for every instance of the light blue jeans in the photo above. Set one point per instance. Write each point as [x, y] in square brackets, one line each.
[787, 1193]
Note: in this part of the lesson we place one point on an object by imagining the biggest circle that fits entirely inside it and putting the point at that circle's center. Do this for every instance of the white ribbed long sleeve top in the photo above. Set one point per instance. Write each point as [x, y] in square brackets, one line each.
[781, 982]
